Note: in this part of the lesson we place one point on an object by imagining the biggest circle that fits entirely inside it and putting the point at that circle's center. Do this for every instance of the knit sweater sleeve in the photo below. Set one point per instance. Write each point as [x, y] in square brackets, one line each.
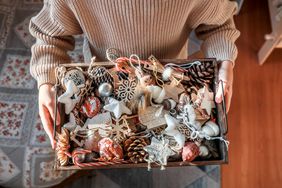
[218, 31]
[53, 27]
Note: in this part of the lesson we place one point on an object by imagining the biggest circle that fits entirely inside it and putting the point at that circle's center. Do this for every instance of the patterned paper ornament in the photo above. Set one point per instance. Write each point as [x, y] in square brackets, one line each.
[126, 89]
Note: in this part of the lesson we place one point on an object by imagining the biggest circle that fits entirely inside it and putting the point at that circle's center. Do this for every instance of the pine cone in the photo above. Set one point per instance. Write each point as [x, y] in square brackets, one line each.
[134, 149]
[201, 74]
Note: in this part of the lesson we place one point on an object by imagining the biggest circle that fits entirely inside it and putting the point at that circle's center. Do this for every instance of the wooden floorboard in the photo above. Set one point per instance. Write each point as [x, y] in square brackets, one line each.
[255, 122]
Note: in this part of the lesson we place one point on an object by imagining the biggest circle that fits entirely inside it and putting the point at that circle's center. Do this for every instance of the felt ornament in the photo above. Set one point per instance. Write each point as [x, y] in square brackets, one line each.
[159, 152]
[157, 93]
[117, 108]
[69, 97]
[211, 129]
[172, 130]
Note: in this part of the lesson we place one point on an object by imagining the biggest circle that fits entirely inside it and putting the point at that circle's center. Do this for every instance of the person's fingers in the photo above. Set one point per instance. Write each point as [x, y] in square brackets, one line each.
[228, 98]
[51, 107]
[47, 123]
[220, 93]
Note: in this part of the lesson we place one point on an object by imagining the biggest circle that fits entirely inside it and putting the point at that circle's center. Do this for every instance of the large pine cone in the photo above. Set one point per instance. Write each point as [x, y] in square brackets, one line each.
[134, 149]
[201, 74]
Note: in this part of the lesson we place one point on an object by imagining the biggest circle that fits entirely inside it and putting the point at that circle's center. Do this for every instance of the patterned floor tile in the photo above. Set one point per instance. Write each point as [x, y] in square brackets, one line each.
[8, 170]
[6, 20]
[22, 31]
[12, 115]
[15, 73]
[38, 168]
[16, 114]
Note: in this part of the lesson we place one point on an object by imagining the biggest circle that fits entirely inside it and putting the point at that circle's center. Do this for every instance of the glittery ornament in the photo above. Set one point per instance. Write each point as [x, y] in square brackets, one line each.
[159, 152]
[105, 90]
[151, 117]
[109, 150]
[91, 106]
[190, 151]
[126, 89]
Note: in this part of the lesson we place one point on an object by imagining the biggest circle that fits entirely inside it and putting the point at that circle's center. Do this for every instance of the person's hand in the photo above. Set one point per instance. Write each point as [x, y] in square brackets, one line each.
[46, 100]
[225, 75]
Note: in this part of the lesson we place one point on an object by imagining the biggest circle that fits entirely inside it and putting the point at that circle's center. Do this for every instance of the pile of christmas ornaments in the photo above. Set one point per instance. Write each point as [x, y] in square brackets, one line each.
[135, 111]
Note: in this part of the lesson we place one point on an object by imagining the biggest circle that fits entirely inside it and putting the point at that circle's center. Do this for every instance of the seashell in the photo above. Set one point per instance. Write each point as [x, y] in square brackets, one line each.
[157, 93]
[105, 90]
[190, 151]
[109, 150]
[204, 152]
[91, 106]
[211, 129]
[92, 140]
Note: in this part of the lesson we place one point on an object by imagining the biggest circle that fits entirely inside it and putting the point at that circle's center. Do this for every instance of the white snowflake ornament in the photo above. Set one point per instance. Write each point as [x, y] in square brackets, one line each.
[126, 89]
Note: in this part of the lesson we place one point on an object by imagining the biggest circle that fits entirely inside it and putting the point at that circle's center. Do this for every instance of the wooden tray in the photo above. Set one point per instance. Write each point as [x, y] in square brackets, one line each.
[221, 121]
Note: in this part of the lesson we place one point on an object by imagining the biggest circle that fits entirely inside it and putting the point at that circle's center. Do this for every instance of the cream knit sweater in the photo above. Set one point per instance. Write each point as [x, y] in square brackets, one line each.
[143, 27]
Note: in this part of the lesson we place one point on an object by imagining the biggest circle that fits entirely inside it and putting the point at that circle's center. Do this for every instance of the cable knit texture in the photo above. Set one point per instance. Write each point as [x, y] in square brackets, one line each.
[144, 27]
